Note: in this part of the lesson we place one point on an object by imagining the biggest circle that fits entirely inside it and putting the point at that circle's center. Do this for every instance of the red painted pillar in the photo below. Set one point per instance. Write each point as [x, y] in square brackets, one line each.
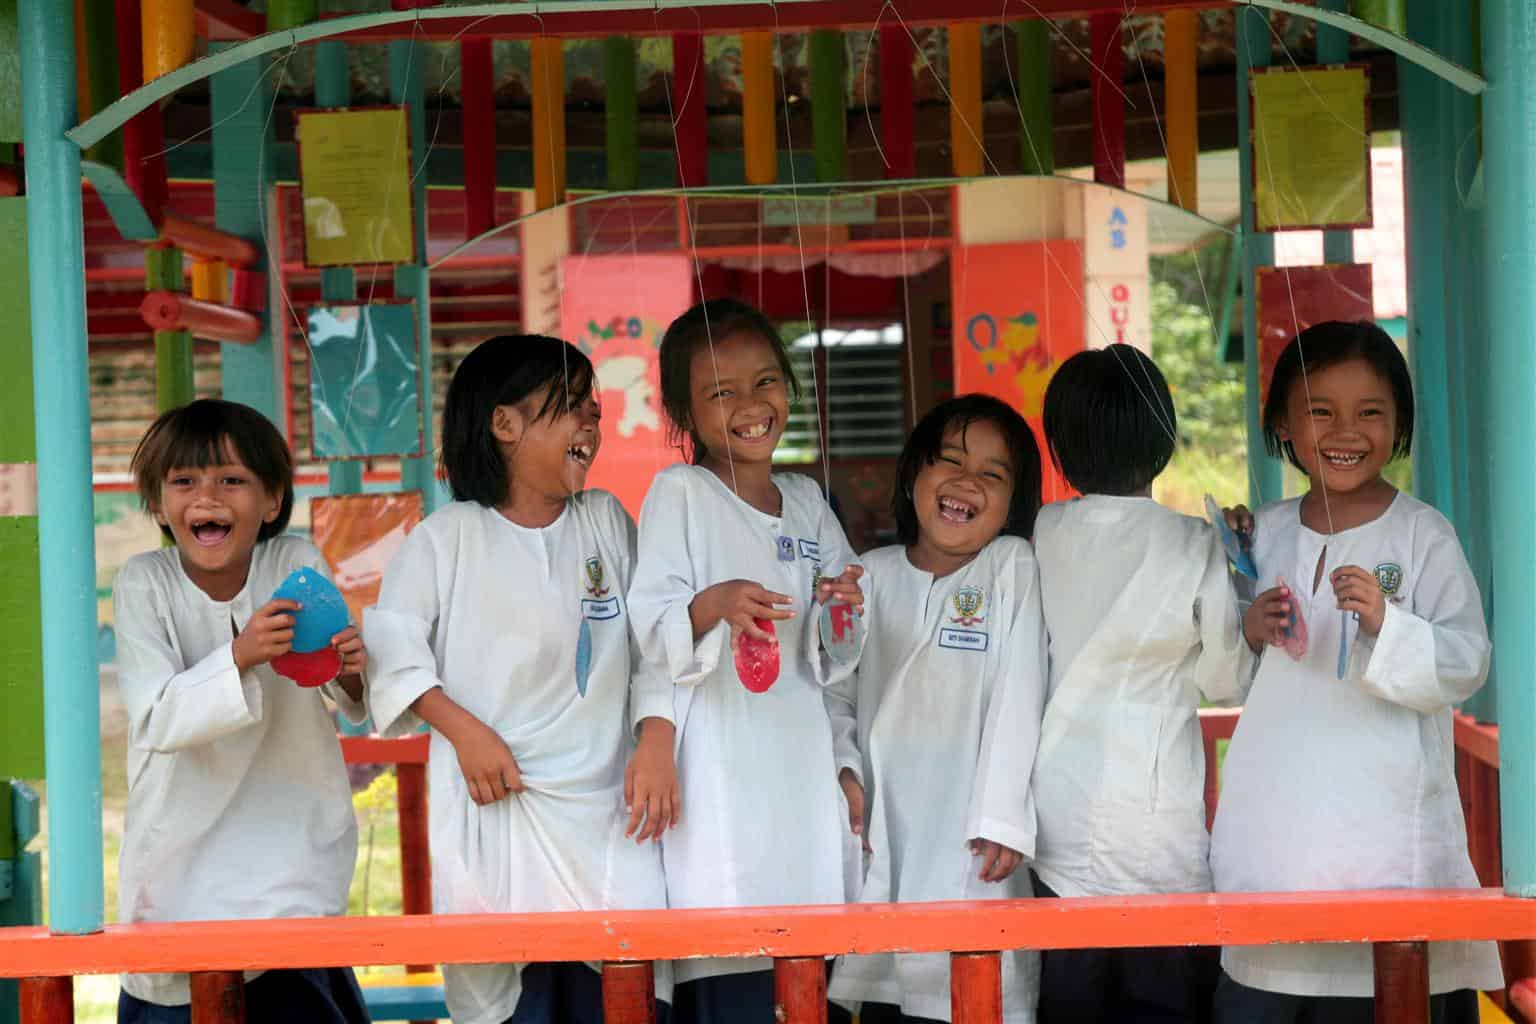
[144, 135]
[896, 107]
[629, 993]
[415, 867]
[800, 990]
[975, 988]
[479, 105]
[1107, 76]
[688, 112]
[1402, 982]
[47, 1000]
[218, 997]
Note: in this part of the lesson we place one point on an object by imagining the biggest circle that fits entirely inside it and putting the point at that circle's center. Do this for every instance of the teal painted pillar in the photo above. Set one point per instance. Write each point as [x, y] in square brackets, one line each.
[66, 522]
[1333, 48]
[240, 99]
[412, 281]
[1509, 40]
[1253, 51]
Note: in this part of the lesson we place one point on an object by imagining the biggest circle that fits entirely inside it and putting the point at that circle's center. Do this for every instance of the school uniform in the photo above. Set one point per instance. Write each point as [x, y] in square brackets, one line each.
[941, 724]
[1144, 625]
[493, 612]
[1349, 783]
[238, 802]
[763, 816]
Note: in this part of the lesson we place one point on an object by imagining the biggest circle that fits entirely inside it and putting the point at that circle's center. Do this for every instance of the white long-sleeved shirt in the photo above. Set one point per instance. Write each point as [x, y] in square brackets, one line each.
[763, 817]
[940, 723]
[1350, 783]
[1143, 624]
[491, 611]
[238, 802]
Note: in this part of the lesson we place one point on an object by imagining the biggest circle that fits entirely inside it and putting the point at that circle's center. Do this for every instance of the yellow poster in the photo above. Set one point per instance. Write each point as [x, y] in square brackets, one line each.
[1311, 148]
[355, 174]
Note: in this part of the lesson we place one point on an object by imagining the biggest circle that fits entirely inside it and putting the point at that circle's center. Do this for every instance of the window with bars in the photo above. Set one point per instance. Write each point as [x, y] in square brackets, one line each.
[856, 378]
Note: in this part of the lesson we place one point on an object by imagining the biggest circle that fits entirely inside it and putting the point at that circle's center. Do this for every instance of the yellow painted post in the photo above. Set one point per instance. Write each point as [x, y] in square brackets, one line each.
[965, 123]
[759, 127]
[169, 32]
[548, 68]
[1180, 31]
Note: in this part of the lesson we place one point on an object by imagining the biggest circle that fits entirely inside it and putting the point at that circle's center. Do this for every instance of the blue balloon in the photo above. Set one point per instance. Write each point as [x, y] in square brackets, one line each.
[322, 614]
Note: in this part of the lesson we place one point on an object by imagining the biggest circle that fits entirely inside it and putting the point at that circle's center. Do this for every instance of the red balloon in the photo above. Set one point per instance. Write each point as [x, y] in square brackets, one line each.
[315, 668]
[757, 661]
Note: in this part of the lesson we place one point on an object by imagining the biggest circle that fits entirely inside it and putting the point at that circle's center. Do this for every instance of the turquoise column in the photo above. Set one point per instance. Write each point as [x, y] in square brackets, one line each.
[66, 523]
[412, 280]
[1253, 51]
[240, 99]
[1333, 48]
[1509, 39]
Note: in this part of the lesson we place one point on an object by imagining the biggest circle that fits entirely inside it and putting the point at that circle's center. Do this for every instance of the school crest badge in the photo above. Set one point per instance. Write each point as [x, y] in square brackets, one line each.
[968, 602]
[595, 577]
[1389, 576]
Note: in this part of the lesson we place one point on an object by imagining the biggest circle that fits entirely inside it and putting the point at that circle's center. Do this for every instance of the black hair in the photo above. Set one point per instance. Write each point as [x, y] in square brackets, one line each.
[205, 433]
[708, 323]
[1109, 421]
[1328, 344]
[504, 370]
[927, 440]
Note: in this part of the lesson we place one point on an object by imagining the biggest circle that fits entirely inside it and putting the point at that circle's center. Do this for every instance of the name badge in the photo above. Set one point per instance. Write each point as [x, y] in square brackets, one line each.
[600, 610]
[810, 549]
[963, 639]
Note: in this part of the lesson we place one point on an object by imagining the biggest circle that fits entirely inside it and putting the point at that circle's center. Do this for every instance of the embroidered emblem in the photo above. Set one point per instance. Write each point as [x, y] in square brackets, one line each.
[1389, 576]
[968, 602]
[786, 549]
[595, 574]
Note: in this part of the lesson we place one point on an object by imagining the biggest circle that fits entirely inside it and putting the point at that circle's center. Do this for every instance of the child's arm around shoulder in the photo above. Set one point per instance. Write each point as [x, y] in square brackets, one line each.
[1432, 650]
[173, 706]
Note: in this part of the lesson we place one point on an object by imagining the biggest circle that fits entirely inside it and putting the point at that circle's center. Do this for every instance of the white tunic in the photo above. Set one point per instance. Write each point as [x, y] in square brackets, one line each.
[763, 817]
[1350, 784]
[491, 612]
[1143, 624]
[238, 801]
[946, 708]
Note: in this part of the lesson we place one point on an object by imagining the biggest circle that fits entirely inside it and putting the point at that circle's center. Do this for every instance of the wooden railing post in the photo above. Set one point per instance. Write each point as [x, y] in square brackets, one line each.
[47, 1000]
[800, 989]
[218, 997]
[629, 993]
[976, 988]
[415, 862]
[1402, 982]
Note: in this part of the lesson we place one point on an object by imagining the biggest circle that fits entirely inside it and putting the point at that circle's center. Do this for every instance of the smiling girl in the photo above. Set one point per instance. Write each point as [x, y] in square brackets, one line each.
[238, 802]
[727, 547]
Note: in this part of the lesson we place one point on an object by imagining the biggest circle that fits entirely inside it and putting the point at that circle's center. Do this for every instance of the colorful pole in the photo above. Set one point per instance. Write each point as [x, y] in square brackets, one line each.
[966, 128]
[96, 74]
[690, 126]
[1037, 115]
[896, 110]
[1105, 89]
[829, 109]
[1253, 51]
[479, 106]
[1333, 48]
[1391, 15]
[759, 127]
[1509, 39]
[144, 135]
[1181, 30]
[66, 523]
[169, 35]
[548, 73]
[622, 116]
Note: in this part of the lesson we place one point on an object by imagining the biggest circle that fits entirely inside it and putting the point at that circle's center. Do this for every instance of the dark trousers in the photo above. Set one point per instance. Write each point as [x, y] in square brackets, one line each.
[562, 993]
[1163, 985]
[1239, 1004]
[319, 995]
[735, 999]
[885, 1013]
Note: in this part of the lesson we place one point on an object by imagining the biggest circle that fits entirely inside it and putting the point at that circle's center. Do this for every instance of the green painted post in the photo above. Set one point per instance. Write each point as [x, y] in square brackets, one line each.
[286, 14]
[829, 105]
[1509, 40]
[66, 533]
[163, 270]
[1253, 51]
[1333, 48]
[101, 66]
[1391, 15]
[240, 98]
[1037, 118]
[21, 903]
[622, 114]
[412, 281]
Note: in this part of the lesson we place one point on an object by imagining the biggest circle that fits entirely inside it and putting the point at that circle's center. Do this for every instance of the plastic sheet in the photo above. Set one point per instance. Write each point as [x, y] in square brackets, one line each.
[1311, 148]
[359, 534]
[1291, 299]
[365, 382]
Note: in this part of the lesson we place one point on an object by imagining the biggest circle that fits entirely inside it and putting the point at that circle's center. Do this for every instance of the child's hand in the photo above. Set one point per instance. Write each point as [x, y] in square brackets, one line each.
[997, 860]
[487, 763]
[853, 791]
[1358, 592]
[650, 783]
[737, 603]
[1239, 520]
[844, 588]
[267, 635]
[1268, 618]
[349, 644]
